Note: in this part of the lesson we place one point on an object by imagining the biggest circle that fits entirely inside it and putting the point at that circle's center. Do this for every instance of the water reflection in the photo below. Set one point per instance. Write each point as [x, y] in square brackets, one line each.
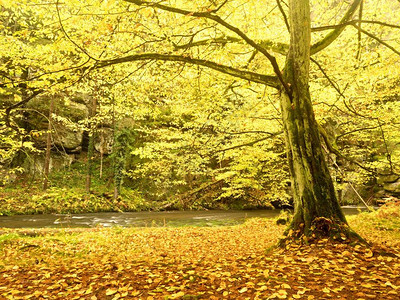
[145, 219]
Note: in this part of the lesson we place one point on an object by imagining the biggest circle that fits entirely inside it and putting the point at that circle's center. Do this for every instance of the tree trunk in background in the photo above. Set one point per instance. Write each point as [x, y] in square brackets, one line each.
[316, 204]
[46, 167]
[119, 151]
[101, 152]
[90, 152]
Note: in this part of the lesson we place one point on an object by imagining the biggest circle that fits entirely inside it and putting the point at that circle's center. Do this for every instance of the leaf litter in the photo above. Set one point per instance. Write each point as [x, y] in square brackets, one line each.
[229, 262]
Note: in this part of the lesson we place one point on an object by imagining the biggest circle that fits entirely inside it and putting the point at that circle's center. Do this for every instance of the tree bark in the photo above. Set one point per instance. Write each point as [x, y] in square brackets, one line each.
[313, 190]
[46, 167]
[90, 152]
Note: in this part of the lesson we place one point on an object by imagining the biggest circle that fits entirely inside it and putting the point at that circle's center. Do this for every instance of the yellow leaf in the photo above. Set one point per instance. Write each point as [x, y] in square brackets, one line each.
[110, 292]
[177, 295]
[369, 254]
[243, 290]
[282, 294]
[326, 290]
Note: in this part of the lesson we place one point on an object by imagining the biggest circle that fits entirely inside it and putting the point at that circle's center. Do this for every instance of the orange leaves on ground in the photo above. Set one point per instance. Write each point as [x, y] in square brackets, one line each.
[193, 263]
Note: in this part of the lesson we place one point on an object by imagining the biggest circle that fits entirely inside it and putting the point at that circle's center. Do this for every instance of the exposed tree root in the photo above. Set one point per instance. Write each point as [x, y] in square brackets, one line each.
[321, 229]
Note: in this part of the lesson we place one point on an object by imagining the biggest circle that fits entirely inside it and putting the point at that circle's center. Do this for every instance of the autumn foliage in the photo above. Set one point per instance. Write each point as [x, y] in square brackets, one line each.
[200, 263]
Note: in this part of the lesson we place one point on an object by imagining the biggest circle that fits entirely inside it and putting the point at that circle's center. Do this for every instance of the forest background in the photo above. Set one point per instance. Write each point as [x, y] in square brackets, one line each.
[157, 135]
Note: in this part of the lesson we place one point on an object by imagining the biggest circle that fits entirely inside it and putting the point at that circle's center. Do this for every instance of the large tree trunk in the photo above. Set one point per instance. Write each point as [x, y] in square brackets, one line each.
[316, 204]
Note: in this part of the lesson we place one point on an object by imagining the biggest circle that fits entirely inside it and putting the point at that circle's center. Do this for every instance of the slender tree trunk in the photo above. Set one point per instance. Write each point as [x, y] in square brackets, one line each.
[101, 151]
[114, 160]
[316, 204]
[90, 152]
[46, 168]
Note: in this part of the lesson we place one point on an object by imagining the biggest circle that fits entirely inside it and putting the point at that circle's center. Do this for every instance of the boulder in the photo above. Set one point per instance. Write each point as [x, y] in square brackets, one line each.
[392, 187]
[104, 138]
[34, 164]
[68, 137]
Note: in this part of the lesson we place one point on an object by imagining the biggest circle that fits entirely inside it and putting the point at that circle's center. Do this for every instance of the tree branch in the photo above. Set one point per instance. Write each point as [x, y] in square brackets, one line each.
[276, 47]
[285, 18]
[271, 81]
[376, 38]
[20, 103]
[360, 14]
[250, 143]
[328, 27]
[210, 15]
[332, 148]
[326, 41]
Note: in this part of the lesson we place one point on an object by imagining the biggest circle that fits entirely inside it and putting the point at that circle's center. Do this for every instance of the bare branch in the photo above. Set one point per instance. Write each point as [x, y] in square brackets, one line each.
[360, 14]
[332, 148]
[327, 77]
[328, 27]
[283, 14]
[250, 143]
[223, 40]
[325, 42]
[376, 38]
[271, 81]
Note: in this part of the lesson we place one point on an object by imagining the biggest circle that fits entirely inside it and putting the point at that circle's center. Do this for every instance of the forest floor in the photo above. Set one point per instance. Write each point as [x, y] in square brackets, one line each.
[226, 262]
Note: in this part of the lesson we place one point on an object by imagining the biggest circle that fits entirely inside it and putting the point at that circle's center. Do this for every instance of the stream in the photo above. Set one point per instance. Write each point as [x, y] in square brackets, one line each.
[145, 219]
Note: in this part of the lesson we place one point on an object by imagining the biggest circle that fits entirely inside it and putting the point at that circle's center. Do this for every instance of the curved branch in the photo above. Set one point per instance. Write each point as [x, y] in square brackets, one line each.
[18, 104]
[66, 34]
[326, 41]
[271, 81]
[333, 149]
[210, 15]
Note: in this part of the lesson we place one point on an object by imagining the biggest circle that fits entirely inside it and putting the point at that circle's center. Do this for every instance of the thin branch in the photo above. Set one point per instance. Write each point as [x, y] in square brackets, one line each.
[285, 18]
[219, 7]
[247, 75]
[332, 148]
[250, 143]
[66, 34]
[327, 77]
[339, 136]
[79, 67]
[219, 40]
[329, 27]
[325, 42]
[388, 155]
[377, 39]
[351, 184]
[18, 104]
[247, 132]
[360, 13]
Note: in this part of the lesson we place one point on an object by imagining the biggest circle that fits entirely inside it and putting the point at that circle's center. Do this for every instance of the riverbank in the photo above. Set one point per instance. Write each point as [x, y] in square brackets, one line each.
[28, 198]
[227, 262]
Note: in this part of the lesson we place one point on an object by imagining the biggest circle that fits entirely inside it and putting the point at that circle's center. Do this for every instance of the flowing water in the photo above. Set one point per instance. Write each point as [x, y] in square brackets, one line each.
[145, 219]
